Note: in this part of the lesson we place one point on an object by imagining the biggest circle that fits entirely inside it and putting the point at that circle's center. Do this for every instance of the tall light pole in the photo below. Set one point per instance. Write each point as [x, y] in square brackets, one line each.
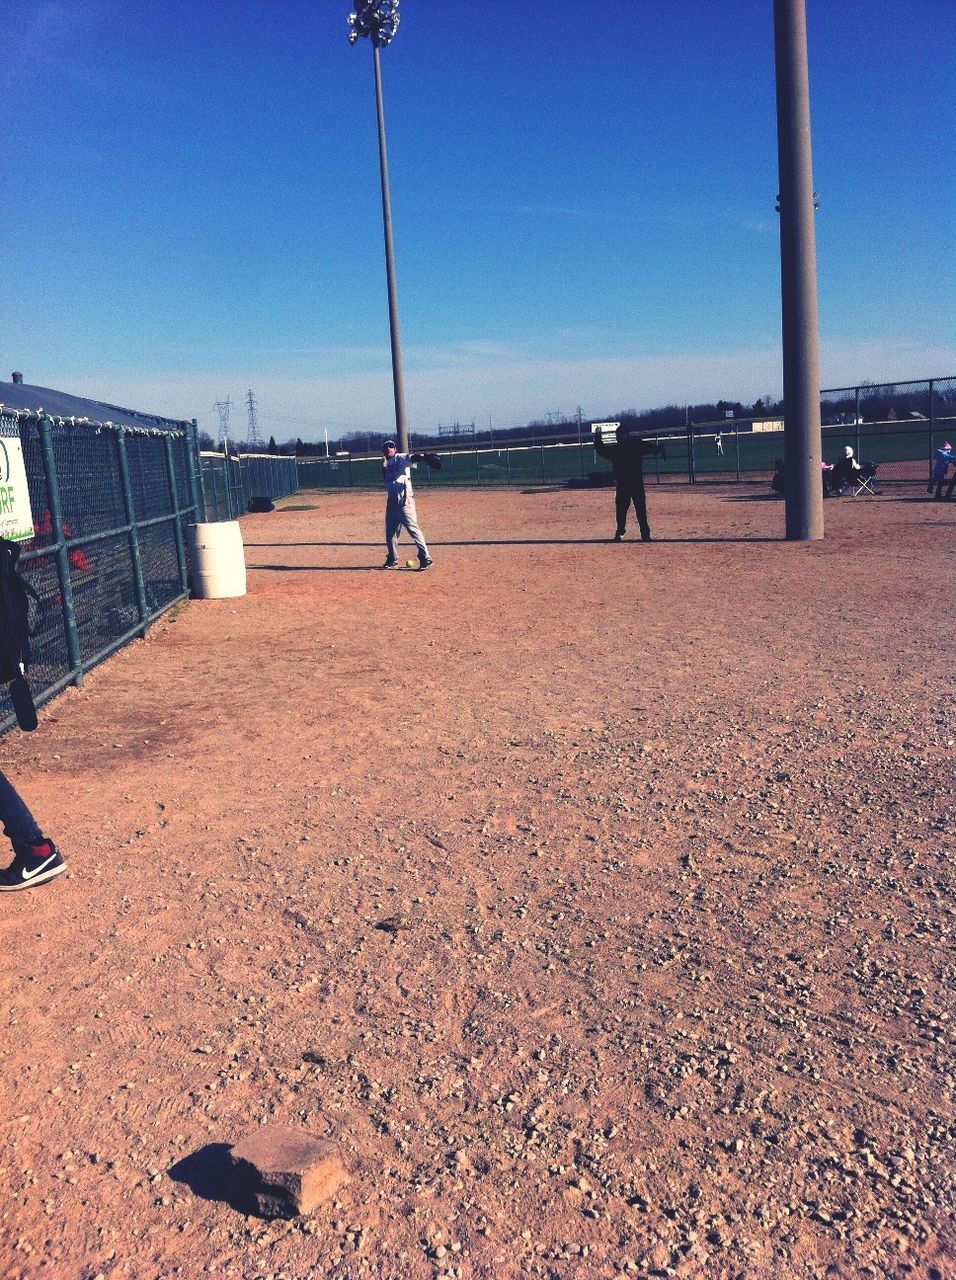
[802, 449]
[379, 19]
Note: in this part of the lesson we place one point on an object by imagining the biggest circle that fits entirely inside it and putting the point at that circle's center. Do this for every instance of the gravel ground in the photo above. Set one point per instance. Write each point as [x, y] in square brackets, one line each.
[594, 898]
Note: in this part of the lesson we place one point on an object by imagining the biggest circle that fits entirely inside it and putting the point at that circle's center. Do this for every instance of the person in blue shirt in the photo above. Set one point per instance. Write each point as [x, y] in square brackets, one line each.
[943, 459]
[400, 510]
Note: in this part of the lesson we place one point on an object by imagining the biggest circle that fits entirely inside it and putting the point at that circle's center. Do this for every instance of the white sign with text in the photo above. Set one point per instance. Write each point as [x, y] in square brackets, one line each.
[16, 517]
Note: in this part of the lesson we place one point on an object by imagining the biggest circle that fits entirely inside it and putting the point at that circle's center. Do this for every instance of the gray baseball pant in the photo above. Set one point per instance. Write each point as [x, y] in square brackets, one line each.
[401, 514]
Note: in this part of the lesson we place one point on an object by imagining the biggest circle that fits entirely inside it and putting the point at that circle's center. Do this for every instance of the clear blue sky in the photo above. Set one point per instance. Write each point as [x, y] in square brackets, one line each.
[583, 196]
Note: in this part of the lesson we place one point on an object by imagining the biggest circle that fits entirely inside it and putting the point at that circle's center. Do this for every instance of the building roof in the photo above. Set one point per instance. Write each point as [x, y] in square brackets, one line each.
[60, 404]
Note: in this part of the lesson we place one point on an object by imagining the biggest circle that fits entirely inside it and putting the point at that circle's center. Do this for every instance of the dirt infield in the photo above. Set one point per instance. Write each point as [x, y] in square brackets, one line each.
[593, 897]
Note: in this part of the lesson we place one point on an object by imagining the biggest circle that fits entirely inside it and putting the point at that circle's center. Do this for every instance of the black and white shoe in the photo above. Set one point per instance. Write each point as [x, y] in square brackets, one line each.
[618, 537]
[426, 563]
[390, 564]
[32, 864]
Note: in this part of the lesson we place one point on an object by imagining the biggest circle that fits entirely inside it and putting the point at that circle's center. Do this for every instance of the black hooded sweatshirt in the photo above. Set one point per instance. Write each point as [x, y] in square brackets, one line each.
[627, 458]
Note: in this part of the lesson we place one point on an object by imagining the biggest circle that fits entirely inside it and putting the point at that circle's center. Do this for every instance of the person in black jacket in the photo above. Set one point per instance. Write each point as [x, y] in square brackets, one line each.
[626, 455]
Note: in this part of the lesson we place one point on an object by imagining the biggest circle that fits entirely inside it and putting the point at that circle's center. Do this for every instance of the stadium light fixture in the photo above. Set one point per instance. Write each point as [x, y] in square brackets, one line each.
[378, 21]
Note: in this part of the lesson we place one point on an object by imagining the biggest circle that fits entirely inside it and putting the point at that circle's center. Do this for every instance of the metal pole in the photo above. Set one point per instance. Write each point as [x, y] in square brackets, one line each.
[126, 484]
[195, 472]
[932, 424]
[225, 478]
[798, 278]
[857, 415]
[174, 507]
[61, 554]
[398, 377]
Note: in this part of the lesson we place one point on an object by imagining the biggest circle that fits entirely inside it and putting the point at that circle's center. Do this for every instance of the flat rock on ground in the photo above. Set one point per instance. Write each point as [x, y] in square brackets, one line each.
[286, 1171]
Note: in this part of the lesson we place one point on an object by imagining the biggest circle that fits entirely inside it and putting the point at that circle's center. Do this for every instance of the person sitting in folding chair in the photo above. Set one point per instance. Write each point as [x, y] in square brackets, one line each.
[848, 472]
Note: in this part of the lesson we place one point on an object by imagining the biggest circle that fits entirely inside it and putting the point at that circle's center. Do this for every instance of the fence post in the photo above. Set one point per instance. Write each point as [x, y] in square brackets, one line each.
[508, 460]
[225, 490]
[737, 448]
[195, 471]
[856, 418]
[61, 555]
[477, 468]
[229, 484]
[174, 500]
[932, 425]
[541, 447]
[132, 532]
[691, 459]
[657, 458]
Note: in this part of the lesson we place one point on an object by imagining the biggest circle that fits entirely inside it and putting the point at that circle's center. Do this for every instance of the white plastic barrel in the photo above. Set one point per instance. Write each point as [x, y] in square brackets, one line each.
[217, 560]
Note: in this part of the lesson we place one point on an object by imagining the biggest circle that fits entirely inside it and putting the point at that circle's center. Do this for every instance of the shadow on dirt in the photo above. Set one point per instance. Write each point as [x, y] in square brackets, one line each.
[317, 568]
[923, 499]
[208, 1173]
[481, 542]
[313, 544]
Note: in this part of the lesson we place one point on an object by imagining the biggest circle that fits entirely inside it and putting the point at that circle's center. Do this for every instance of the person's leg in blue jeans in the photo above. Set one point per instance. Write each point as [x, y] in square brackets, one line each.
[36, 858]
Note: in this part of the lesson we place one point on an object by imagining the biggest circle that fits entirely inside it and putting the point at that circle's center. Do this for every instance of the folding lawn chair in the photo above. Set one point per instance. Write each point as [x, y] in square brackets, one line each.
[864, 480]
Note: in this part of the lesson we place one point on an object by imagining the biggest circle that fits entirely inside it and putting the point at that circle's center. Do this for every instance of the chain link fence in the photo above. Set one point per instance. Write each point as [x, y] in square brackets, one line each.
[231, 481]
[523, 466]
[110, 506]
[896, 425]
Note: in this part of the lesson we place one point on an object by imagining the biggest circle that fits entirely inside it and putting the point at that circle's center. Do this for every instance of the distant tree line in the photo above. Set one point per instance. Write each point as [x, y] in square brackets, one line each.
[876, 403]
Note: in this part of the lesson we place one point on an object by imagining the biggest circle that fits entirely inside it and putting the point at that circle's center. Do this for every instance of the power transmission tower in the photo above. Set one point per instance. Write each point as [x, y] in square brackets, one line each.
[223, 407]
[253, 439]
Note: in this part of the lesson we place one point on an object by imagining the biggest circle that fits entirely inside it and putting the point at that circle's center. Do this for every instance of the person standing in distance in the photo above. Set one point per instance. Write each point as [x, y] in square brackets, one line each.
[627, 456]
[943, 459]
[400, 504]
